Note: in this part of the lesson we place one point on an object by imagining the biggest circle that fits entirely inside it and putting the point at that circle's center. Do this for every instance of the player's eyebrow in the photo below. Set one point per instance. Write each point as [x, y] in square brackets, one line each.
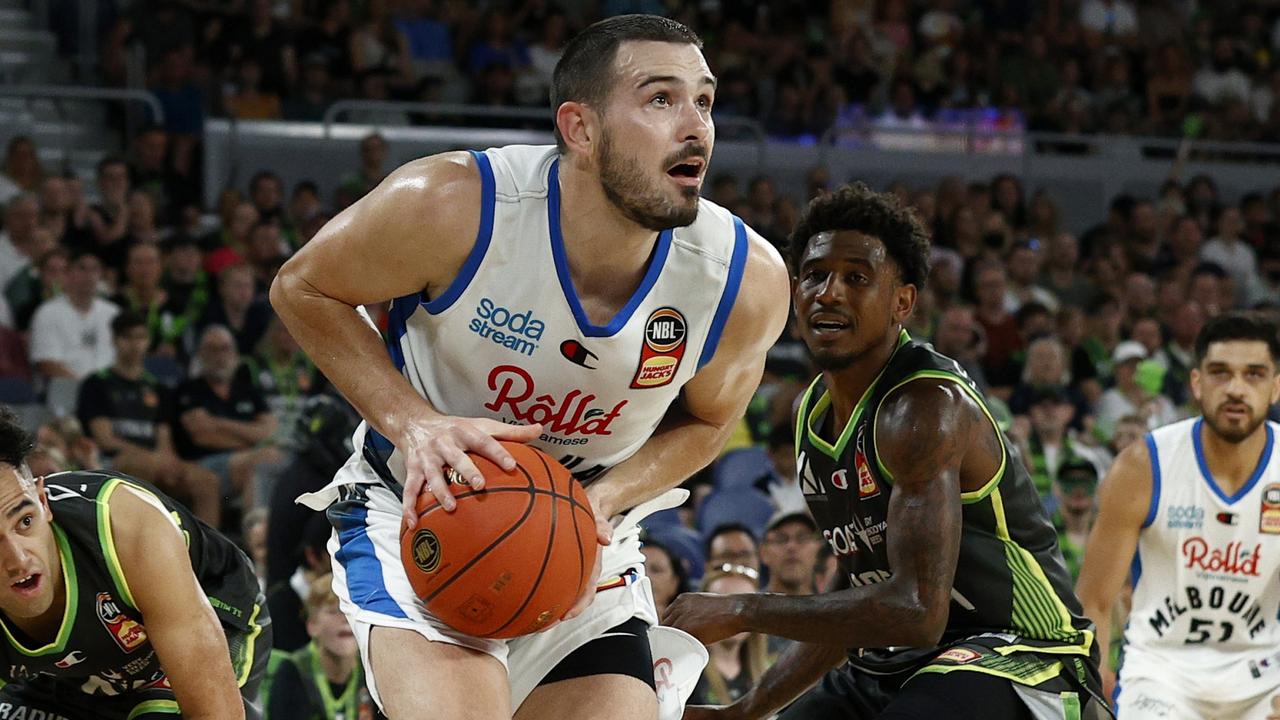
[658, 79]
[19, 508]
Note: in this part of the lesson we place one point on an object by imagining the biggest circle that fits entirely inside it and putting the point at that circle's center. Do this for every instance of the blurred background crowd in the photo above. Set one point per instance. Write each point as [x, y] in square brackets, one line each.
[136, 335]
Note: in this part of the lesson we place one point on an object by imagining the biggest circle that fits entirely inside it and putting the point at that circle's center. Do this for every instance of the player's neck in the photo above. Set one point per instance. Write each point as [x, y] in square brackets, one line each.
[608, 254]
[847, 385]
[128, 371]
[1232, 464]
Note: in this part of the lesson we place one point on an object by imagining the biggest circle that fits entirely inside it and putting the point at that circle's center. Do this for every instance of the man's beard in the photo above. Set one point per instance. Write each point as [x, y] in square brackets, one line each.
[625, 186]
[1232, 435]
[833, 361]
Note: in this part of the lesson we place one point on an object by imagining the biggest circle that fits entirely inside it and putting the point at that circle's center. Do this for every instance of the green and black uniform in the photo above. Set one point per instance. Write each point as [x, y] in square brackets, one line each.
[1013, 614]
[300, 691]
[101, 664]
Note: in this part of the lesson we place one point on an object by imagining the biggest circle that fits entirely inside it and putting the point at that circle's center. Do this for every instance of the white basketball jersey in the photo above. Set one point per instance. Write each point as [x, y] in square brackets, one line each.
[509, 340]
[1207, 573]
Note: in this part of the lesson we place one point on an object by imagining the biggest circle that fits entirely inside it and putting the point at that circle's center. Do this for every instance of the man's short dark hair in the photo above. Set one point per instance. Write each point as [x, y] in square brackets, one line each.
[15, 442]
[125, 321]
[725, 529]
[1240, 325]
[858, 208]
[584, 72]
[263, 175]
[308, 186]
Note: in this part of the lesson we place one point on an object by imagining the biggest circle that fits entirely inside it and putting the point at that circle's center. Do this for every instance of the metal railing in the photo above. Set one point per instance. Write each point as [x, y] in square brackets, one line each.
[58, 93]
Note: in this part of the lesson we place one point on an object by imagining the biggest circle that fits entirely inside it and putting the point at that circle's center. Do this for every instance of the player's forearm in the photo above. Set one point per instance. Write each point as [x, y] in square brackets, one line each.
[796, 670]
[881, 615]
[681, 446]
[1101, 617]
[247, 433]
[349, 353]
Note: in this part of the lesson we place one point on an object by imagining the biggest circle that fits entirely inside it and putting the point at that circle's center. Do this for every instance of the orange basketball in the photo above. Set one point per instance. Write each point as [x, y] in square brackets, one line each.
[511, 558]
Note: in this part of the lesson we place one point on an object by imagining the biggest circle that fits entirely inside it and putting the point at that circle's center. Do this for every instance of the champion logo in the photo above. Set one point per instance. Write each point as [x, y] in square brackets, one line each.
[574, 352]
[75, 657]
[839, 479]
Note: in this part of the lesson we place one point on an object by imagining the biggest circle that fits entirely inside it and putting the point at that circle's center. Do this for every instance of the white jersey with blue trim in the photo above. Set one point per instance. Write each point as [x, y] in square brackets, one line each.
[1207, 573]
[509, 340]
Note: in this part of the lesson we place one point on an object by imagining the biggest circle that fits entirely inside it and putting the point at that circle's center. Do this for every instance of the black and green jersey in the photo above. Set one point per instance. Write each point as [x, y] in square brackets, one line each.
[1010, 579]
[101, 648]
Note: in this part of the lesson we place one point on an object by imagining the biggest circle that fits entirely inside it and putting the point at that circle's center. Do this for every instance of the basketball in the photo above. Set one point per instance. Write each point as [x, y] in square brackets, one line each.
[511, 558]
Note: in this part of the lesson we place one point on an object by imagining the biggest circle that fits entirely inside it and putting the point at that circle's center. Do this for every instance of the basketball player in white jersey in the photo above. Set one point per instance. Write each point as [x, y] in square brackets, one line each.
[579, 297]
[1194, 514]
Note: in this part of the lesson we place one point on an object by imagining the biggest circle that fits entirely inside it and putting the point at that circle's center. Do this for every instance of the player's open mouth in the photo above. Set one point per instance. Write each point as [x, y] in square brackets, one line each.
[688, 172]
[827, 324]
[28, 584]
[1236, 411]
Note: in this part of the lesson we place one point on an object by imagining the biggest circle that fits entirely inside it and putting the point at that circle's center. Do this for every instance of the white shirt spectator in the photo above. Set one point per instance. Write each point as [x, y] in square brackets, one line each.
[11, 259]
[1114, 405]
[1237, 258]
[80, 341]
[1115, 18]
[1219, 86]
[8, 190]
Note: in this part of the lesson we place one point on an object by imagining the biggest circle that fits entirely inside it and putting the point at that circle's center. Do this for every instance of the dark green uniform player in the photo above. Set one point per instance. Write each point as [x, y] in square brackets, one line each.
[1012, 612]
[957, 603]
[101, 664]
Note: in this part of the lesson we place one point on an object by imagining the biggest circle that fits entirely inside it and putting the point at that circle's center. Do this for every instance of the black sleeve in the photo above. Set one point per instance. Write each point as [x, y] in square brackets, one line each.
[92, 402]
[288, 700]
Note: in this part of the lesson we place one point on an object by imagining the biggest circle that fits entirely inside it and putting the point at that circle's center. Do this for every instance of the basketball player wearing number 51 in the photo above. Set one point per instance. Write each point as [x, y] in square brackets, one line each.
[1192, 518]
[579, 297]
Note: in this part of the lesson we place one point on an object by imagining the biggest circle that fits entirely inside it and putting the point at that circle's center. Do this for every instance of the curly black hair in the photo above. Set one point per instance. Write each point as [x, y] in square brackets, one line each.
[880, 215]
[15, 442]
[1239, 325]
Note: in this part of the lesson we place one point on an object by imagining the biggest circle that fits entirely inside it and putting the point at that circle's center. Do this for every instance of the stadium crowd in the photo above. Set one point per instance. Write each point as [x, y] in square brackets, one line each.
[1152, 67]
[135, 329]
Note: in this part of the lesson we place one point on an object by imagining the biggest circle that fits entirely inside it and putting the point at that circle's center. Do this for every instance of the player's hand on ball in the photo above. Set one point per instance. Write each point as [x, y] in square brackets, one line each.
[435, 456]
[707, 616]
[604, 536]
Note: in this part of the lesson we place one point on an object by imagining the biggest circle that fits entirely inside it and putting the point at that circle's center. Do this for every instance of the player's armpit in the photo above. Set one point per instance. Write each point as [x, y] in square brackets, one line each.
[179, 621]
[1124, 503]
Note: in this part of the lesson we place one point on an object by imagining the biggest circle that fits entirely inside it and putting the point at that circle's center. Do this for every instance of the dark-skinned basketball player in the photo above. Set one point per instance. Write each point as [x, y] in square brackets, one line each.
[956, 600]
[117, 603]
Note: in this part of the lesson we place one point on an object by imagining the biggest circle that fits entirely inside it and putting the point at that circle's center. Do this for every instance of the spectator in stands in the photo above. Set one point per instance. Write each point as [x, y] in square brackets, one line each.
[222, 420]
[126, 412]
[324, 680]
[733, 544]
[55, 208]
[1023, 263]
[381, 45]
[188, 290]
[1074, 491]
[738, 662]
[1229, 251]
[544, 53]
[1182, 254]
[372, 170]
[250, 100]
[1221, 78]
[1046, 366]
[21, 171]
[790, 553]
[1130, 396]
[265, 253]
[35, 284]
[1045, 440]
[253, 534]
[666, 572]
[150, 172]
[142, 292]
[19, 246]
[285, 377]
[1061, 273]
[266, 190]
[109, 217]
[183, 103]
[1129, 430]
[142, 220]
[264, 41]
[1000, 327]
[1208, 287]
[238, 309]
[71, 333]
[314, 94]
[329, 41]
[1169, 90]
[1109, 21]
[229, 245]
[959, 336]
[1177, 356]
[308, 560]
[1139, 297]
[304, 204]
[784, 486]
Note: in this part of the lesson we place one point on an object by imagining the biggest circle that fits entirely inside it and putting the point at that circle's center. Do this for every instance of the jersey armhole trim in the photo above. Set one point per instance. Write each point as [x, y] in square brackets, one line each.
[487, 200]
[727, 299]
[1154, 506]
[167, 707]
[107, 539]
[972, 496]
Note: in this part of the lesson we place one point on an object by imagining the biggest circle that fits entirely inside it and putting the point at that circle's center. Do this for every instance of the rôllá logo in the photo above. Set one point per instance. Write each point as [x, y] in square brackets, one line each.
[1231, 560]
[569, 415]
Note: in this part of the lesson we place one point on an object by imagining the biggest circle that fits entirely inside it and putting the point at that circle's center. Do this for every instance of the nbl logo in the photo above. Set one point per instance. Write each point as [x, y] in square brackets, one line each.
[665, 330]
[426, 551]
[664, 342]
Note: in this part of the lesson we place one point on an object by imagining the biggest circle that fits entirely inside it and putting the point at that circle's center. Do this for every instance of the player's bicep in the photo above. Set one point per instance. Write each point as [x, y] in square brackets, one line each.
[411, 232]
[180, 623]
[1124, 503]
[923, 432]
[721, 389]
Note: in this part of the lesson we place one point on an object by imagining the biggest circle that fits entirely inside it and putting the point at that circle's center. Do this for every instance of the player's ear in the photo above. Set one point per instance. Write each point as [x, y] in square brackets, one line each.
[904, 302]
[578, 125]
[1195, 385]
[44, 499]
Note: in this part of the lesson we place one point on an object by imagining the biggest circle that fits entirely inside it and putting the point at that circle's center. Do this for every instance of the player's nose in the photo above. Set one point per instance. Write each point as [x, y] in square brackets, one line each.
[695, 124]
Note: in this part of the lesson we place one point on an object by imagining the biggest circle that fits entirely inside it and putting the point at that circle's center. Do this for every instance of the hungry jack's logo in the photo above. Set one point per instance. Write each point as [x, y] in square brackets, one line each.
[665, 333]
[128, 634]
